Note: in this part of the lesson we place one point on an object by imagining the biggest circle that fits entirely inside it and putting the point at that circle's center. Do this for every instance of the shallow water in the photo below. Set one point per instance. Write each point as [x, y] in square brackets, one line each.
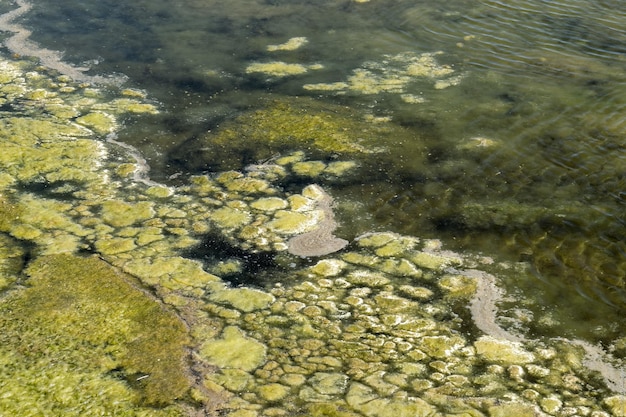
[542, 81]
[517, 154]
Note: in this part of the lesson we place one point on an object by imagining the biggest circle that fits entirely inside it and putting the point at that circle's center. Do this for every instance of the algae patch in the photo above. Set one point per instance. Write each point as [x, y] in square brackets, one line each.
[287, 124]
[234, 350]
[81, 337]
[394, 74]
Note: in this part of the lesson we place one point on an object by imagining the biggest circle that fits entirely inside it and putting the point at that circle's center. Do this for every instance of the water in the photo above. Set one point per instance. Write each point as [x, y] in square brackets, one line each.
[543, 80]
[518, 153]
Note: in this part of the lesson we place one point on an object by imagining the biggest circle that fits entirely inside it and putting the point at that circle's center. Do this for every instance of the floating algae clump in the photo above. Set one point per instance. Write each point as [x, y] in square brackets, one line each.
[394, 74]
[291, 45]
[81, 338]
[277, 68]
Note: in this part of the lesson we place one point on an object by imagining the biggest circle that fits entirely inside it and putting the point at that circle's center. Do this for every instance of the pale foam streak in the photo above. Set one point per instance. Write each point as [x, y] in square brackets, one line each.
[484, 310]
[20, 44]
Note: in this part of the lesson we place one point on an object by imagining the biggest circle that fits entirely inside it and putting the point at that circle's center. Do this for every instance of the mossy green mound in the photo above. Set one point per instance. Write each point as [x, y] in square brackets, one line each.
[81, 339]
[287, 124]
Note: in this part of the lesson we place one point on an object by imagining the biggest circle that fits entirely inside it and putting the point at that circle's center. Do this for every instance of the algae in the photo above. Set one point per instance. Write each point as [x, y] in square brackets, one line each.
[11, 261]
[353, 331]
[121, 214]
[393, 74]
[294, 124]
[80, 320]
[284, 125]
[277, 68]
[234, 350]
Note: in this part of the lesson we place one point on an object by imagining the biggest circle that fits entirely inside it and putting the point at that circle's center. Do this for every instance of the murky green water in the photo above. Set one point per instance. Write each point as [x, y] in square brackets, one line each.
[497, 127]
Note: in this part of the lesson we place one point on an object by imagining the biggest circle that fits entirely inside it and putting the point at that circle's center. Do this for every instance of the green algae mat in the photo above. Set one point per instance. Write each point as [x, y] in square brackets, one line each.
[122, 296]
[77, 331]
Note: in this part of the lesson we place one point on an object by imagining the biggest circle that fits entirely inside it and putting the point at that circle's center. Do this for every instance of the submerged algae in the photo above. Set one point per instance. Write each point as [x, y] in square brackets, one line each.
[79, 319]
[294, 124]
[394, 74]
[287, 124]
[78, 323]
[349, 332]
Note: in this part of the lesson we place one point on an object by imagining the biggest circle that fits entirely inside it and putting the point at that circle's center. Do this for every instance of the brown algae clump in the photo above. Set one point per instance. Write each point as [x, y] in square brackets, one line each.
[82, 334]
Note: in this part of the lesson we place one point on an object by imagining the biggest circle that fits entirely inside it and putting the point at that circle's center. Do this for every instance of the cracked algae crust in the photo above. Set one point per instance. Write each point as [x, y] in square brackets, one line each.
[80, 337]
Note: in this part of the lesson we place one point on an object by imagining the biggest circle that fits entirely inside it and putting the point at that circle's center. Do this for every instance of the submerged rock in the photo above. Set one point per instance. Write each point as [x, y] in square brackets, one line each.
[320, 241]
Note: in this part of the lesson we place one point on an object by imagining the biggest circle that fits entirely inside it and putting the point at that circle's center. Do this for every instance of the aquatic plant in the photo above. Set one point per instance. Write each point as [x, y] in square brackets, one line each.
[285, 125]
[394, 74]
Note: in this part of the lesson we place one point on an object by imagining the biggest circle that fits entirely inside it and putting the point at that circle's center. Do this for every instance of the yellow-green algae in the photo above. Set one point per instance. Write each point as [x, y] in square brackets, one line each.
[394, 74]
[290, 45]
[278, 68]
[234, 350]
[80, 323]
[380, 329]
[287, 124]
[11, 259]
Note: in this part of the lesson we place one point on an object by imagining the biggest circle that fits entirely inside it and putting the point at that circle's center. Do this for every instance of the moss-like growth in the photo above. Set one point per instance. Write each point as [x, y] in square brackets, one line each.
[244, 299]
[100, 122]
[9, 212]
[503, 351]
[273, 392]
[330, 410]
[276, 68]
[121, 214]
[290, 222]
[289, 124]
[269, 204]
[230, 218]
[309, 168]
[48, 148]
[11, 255]
[512, 409]
[458, 285]
[234, 350]
[82, 337]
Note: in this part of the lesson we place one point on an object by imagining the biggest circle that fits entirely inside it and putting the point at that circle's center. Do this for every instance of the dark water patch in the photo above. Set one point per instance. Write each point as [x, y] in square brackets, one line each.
[254, 267]
[58, 190]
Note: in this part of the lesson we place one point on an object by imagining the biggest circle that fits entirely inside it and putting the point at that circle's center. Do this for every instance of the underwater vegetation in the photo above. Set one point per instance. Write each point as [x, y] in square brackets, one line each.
[106, 311]
[285, 125]
[82, 337]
